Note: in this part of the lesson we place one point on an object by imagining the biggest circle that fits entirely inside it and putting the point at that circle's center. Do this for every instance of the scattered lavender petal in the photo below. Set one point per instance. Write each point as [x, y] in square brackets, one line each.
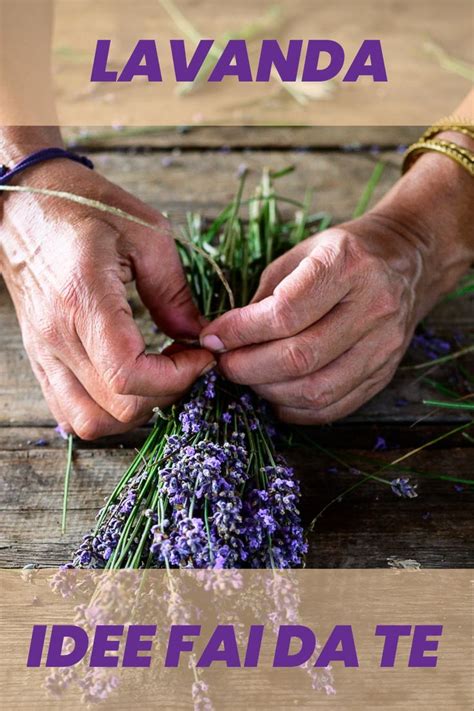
[61, 432]
[166, 161]
[402, 487]
[242, 169]
[41, 442]
[380, 444]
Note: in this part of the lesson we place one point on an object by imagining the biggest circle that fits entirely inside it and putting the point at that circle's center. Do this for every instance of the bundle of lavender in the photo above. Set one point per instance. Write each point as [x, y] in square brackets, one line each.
[209, 489]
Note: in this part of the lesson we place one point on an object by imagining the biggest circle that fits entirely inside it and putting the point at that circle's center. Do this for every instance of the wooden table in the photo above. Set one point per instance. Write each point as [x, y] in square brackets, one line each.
[370, 527]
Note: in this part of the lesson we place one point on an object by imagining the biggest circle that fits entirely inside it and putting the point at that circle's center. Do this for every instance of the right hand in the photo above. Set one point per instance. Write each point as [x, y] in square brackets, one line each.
[66, 267]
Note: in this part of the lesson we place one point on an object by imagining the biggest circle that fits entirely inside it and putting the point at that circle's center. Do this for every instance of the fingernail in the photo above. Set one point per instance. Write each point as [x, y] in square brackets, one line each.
[212, 343]
[208, 367]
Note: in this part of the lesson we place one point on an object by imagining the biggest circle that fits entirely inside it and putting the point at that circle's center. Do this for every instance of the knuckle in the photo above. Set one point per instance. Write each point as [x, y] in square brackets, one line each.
[241, 326]
[337, 249]
[387, 302]
[70, 294]
[365, 267]
[87, 428]
[127, 411]
[117, 379]
[298, 358]
[283, 313]
[357, 251]
[48, 329]
[319, 395]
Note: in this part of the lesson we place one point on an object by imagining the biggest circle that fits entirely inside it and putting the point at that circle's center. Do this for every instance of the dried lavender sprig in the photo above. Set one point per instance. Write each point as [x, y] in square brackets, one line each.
[208, 488]
[208, 501]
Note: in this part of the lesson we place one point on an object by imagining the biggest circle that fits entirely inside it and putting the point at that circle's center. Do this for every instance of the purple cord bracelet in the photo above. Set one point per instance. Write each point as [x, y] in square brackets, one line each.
[6, 174]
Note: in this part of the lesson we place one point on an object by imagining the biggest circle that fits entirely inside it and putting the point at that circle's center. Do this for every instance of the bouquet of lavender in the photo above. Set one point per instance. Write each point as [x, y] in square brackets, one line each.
[208, 489]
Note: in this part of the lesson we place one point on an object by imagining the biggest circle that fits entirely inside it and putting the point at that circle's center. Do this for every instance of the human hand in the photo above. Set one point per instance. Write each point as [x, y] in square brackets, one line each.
[66, 267]
[332, 318]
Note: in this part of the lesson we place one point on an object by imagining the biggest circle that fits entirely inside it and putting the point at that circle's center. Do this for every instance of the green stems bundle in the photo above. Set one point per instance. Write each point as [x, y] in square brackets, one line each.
[208, 489]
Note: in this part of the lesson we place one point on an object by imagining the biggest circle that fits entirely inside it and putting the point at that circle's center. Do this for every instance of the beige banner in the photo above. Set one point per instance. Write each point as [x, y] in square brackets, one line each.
[428, 667]
[427, 49]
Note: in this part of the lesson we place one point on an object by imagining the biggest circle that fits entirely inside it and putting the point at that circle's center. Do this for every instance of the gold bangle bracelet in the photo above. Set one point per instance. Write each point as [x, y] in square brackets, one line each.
[462, 156]
[439, 128]
[456, 120]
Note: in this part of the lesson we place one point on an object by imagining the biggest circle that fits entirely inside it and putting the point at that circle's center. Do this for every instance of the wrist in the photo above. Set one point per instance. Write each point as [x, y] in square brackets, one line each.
[430, 207]
[17, 142]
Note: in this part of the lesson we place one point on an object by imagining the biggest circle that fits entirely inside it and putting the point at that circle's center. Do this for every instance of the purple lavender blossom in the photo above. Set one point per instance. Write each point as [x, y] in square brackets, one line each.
[430, 345]
[200, 696]
[402, 487]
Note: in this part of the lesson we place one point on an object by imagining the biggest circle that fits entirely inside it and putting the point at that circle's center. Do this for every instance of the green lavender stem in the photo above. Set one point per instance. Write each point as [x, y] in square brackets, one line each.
[450, 405]
[66, 482]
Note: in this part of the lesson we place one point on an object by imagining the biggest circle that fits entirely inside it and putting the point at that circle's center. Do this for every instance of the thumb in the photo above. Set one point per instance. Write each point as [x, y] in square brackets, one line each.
[164, 290]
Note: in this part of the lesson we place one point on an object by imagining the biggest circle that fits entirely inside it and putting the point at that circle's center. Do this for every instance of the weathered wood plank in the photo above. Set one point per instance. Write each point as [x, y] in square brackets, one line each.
[236, 137]
[206, 181]
[363, 530]
[341, 435]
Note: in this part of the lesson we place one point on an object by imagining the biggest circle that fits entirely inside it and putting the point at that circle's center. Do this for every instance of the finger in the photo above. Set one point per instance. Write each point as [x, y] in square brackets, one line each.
[163, 287]
[302, 298]
[157, 269]
[329, 384]
[50, 396]
[116, 349]
[280, 268]
[343, 407]
[123, 408]
[300, 355]
[87, 419]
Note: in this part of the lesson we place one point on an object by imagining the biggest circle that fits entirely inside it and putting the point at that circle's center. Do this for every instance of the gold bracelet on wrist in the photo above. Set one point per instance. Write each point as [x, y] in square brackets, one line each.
[463, 156]
[459, 127]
